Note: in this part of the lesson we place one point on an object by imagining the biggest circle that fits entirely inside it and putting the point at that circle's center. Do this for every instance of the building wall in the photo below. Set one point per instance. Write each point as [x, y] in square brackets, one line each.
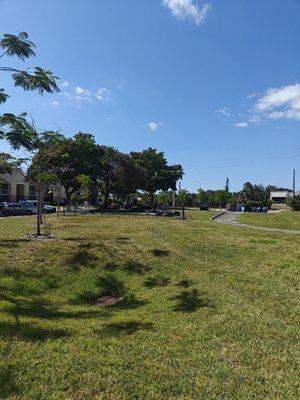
[16, 178]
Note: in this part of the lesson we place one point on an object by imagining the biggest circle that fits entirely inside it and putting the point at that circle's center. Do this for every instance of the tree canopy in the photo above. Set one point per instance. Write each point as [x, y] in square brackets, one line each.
[157, 174]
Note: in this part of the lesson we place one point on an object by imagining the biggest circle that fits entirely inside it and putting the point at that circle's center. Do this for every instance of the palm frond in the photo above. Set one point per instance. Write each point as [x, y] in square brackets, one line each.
[41, 80]
[3, 96]
[18, 46]
[19, 132]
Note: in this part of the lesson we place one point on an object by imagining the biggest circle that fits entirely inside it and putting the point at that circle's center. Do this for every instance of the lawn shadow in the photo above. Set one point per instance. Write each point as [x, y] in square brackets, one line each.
[160, 253]
[131, 266]
[107, 285]
[156, 281]
[124, 328]
[25, 331]
[189, 301]
[185, 283]
[135, 267]
[82, 258]
[12, 243]
[122, 239]
[8, 385]
[129, 302]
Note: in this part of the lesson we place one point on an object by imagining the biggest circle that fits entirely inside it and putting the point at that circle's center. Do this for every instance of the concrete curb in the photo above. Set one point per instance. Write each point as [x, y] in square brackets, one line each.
[217, 215]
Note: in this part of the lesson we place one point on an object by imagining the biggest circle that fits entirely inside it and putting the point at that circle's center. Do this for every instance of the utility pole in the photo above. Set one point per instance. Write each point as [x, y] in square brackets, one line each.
[294, 182]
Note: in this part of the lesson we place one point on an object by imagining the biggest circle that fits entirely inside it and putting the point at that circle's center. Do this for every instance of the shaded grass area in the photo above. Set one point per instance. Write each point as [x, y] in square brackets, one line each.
[283, 220]
[209, 311]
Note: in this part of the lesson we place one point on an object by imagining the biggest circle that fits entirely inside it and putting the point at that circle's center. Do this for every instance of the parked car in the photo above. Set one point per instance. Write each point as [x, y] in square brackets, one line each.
[18, 209]
[33, 203]
[2, 204]
[204, 206]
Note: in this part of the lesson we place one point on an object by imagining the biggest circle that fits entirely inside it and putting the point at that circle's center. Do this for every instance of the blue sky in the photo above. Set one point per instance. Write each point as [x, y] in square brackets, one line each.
[215, 84]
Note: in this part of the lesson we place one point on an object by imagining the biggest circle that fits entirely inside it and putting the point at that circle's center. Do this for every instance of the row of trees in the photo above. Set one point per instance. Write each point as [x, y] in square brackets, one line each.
[250, 194]
[79, 164]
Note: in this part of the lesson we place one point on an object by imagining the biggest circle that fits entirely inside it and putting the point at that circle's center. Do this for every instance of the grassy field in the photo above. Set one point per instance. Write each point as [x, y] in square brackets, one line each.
[285, 219]
[209, 311]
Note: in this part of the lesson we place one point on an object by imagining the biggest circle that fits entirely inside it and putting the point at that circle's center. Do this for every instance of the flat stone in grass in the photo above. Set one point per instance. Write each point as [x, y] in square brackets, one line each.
[106, 301]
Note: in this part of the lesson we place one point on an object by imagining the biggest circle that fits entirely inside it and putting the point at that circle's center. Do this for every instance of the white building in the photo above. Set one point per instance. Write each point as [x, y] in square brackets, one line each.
[280, 196]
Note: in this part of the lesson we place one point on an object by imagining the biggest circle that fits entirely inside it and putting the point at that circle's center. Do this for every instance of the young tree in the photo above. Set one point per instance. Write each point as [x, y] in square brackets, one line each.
[182, 197]
[158, 175]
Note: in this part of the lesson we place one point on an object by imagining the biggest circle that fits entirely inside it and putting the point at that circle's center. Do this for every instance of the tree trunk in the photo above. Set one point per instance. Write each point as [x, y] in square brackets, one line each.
[38, 216]
[58, 199]
[152, 198]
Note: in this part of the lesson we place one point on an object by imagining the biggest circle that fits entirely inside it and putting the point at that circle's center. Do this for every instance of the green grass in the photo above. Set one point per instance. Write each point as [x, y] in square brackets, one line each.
[284, 219]
[209, 310]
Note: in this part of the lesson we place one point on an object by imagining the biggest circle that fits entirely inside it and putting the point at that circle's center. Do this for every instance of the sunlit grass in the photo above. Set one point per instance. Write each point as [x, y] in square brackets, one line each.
[209, 311]
[284, 219]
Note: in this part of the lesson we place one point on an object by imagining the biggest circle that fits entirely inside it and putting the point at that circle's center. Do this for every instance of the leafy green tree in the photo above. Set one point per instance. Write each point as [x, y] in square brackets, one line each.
[74, 158]
[294, 203]
[128, 177]
[202, 196]
[163, 197]
[182, 197]
[8, 163]
[158, 175]
[119, 175]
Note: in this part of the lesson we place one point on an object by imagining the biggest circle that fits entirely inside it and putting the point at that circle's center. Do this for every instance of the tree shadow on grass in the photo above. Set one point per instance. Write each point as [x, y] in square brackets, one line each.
[122, 239]
[8, 385]
[160, 253]
[29, 332]
[124, 328]
[12, 243]
[185, 283]
[131, 266]
[189, 301]
[107, 285]
[81, 258]
[135, 267]
[130, 302]
[156, 281]
[41, 309]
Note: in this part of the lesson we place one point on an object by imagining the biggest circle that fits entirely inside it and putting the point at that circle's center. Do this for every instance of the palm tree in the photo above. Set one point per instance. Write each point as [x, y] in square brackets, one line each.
[16, 129]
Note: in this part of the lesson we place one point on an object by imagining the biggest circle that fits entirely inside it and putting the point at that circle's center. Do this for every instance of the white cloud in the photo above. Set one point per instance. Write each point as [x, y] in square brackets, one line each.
[79, 90]
[55, 103]
[243, 124]
[103, 94]
[223, 111]
[153, 126]
[82, 95]
[280, 103]
[251, 96]
[187, 9]
[64, 84]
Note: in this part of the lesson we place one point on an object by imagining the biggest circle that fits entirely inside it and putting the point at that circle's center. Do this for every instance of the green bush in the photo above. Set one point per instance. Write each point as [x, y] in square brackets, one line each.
[294, 203]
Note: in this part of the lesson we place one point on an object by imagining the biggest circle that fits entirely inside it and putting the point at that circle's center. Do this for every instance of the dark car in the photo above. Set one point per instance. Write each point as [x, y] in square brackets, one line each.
[47, 209]
[3, 204]
[204, 206]
[18, 209]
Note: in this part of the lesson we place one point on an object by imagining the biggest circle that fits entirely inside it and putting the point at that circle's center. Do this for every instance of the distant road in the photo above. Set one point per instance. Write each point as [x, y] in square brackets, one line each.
[231, 218]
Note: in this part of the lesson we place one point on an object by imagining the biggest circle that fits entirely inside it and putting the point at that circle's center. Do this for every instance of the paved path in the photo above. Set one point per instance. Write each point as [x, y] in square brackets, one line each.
[231, 218]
